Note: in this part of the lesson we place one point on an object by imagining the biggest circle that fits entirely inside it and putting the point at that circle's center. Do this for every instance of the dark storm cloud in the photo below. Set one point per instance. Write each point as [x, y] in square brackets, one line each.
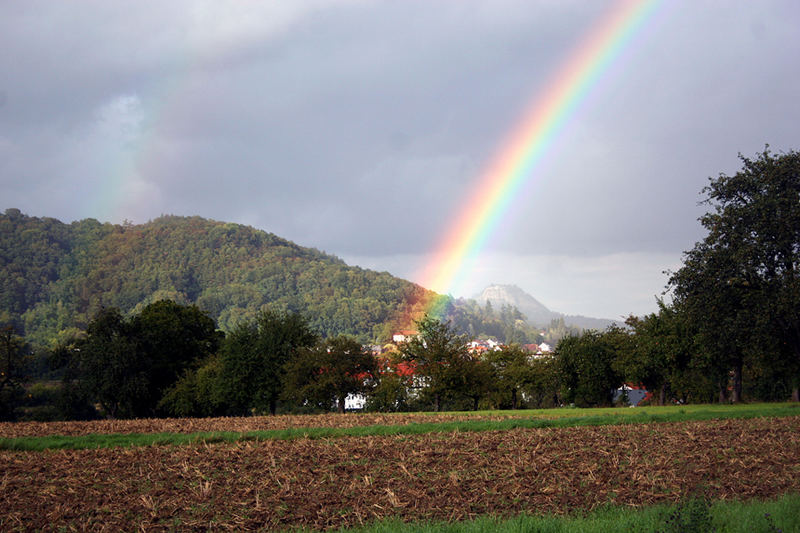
[360, 127]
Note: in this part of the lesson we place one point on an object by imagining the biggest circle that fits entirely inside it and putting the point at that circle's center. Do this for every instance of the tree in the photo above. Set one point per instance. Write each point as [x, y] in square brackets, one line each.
[198, 392]
[390, 394]
[12, 372]
[586, 367]
[512, 370]
[324, 375]
[253, 359]
[173, 339]
[741, 282]
[128, 365]
[439, 357]
[543, 388]
[657, 351]
[111, 369]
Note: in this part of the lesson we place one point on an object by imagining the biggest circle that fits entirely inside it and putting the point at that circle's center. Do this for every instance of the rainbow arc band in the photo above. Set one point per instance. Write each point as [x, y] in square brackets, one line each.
[516, 162]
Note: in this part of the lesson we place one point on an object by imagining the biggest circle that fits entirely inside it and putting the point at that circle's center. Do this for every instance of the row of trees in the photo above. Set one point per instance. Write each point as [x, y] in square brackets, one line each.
[171, 361]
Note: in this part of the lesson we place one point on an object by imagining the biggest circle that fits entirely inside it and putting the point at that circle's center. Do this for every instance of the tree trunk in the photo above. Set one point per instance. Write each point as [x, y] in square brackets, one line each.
[514, 398]
[736, 396]
[475, 402]
[341, 404]
[273, 406]
[437, 403]
[662, 394]
[795, 394]
[723, 397]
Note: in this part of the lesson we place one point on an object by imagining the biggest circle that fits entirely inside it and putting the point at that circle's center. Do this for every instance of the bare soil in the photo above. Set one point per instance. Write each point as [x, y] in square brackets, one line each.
[329, 483]
[239, 424]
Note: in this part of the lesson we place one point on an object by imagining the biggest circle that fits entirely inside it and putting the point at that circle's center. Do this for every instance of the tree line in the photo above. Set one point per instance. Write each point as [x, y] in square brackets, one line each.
[171, 360]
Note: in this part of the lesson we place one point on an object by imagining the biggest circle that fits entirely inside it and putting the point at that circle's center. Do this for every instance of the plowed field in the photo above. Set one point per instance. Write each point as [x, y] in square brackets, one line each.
[328, 483]
[238, 424]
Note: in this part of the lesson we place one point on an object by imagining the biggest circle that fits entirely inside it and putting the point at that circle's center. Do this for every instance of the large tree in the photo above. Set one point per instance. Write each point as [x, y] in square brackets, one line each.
[254, 356]
[173, 338]
[324, 375]
[12, 372]
[658, 352]
[587, 366]
[109, 367]
[441, 359]
[741, 284]
[126, 365]
[512, 371]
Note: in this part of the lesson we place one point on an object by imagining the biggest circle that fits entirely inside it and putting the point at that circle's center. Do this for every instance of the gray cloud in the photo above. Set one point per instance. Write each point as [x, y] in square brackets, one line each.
[360, 128]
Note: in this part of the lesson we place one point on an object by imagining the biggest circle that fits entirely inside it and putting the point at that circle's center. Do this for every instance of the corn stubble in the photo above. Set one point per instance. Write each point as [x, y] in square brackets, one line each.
[329, 483]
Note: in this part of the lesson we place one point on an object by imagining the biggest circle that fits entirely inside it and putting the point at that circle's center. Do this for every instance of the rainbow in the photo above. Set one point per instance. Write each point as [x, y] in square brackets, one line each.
[515, 164]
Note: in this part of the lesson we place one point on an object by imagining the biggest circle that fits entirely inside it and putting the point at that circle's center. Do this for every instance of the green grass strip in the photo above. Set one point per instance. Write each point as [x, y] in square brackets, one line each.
[592, 418]
[782, 514]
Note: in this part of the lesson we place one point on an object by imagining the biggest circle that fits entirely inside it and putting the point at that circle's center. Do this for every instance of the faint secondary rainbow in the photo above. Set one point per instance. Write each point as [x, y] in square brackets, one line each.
[516, 162]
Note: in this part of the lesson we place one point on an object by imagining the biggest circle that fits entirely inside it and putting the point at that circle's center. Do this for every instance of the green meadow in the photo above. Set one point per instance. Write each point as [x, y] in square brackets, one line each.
[781, 515]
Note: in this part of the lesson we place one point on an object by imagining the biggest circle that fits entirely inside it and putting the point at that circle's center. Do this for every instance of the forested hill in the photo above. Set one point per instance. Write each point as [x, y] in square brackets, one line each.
[56, 276]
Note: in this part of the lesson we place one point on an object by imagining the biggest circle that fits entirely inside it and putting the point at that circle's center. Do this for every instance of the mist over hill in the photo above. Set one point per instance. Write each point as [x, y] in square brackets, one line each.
[536, 312]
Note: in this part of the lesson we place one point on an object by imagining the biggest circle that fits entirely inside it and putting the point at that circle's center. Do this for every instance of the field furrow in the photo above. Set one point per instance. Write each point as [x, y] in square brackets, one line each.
[327, 483]
[237, 424]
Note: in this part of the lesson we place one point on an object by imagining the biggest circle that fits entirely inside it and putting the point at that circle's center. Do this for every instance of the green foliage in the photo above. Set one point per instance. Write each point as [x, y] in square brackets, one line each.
[199, 392]
[507, 323]
[13, 366]
[390, 394]
[728, 516]
[325, 374]
[174, 337]
[56, 276]
[111, 368]
[691, 515]
[512, 372]
[443, 362]
[740, 284]
[127, 365]
[586, 366]
[253, 359]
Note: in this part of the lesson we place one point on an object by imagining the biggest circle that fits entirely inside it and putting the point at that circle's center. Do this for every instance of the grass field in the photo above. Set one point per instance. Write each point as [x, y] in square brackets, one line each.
[420, 468]
[754, 516]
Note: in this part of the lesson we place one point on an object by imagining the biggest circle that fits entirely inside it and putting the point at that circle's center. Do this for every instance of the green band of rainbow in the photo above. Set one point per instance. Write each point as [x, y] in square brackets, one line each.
[516, 162]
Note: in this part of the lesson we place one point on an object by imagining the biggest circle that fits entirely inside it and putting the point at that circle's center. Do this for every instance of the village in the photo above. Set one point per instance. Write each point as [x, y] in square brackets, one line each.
[479, 348]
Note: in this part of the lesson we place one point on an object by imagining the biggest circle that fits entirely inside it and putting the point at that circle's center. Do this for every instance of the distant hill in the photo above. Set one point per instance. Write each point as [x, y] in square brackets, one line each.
[536, 313]
[54, 277]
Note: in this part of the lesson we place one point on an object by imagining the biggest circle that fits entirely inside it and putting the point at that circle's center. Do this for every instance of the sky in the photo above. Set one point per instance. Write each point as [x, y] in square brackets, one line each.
[361, 128]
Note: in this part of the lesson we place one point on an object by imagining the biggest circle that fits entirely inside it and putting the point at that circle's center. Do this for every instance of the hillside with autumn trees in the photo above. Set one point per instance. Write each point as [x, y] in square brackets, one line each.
[55, 277]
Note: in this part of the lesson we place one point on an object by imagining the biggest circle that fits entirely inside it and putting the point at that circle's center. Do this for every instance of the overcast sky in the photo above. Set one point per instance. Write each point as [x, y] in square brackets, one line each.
[359, 128]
